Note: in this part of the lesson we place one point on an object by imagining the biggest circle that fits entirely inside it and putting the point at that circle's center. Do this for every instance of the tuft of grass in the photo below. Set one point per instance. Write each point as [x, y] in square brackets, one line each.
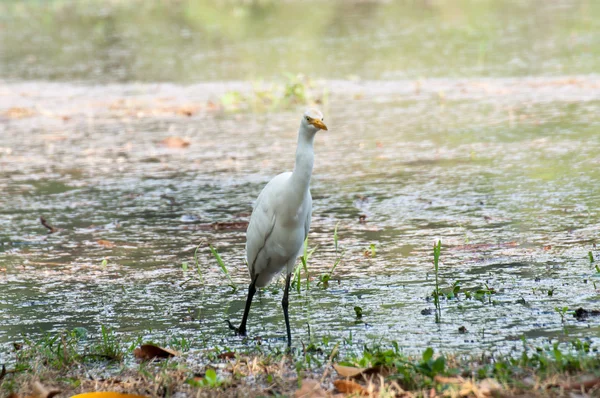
[217, 257]
[109, 347]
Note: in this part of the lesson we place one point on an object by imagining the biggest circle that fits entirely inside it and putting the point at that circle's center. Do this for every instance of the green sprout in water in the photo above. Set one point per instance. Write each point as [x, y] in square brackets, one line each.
[184, 266]
[104, 263]
[335, 237]
[437, 249]
[197, 264]
[304, 259]
[358, 311]
[325, 278]
[591, 256]
[562, 311]
[222, 266]
[481, 294]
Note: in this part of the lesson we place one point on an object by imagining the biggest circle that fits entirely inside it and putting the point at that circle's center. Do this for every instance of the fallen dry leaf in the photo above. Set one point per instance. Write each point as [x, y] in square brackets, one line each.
[105, 243]
[150, 351]
[349, 387]
[310, 389]
[226, 355]
[488, 387]
[19, 113]
[353, 372]
[187, 110]
[449, 380]
[175, 142]
[39, 391]
[348, 371]
[585, 385]
[106, 394]
[480, 246]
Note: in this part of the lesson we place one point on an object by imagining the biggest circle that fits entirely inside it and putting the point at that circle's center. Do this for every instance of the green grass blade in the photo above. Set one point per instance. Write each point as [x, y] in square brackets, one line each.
[222, 266]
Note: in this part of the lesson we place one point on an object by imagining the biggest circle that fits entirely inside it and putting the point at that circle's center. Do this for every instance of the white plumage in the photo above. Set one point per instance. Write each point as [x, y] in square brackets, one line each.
[281, 219]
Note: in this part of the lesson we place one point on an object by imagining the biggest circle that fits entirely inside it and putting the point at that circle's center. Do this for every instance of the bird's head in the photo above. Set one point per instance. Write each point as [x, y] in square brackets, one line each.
[312, 120]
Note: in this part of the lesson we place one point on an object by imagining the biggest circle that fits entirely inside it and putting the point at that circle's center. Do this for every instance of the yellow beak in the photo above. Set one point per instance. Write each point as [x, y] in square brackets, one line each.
[318, 124]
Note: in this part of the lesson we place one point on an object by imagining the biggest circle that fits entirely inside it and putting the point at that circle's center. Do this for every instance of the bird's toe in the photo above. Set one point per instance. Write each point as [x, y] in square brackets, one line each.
[238, 331]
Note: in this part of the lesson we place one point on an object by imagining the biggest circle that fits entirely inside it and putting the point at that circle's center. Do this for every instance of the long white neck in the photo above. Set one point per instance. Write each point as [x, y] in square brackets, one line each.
[305, 159]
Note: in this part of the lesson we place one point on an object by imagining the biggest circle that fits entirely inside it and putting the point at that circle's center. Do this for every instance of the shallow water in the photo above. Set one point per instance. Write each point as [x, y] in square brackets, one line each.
[503, 170]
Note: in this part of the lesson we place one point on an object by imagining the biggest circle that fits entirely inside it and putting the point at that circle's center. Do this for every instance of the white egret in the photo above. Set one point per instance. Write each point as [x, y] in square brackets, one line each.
[280, 221]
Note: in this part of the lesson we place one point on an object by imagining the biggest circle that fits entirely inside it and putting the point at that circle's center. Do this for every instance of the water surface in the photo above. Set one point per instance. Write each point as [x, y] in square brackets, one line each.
[494, 149]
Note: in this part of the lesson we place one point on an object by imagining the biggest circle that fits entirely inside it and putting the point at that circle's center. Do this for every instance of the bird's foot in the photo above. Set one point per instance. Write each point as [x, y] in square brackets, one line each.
[239, 331]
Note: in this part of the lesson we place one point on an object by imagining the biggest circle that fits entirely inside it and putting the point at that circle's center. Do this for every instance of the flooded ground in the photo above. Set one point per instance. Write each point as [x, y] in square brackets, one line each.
[503, 168]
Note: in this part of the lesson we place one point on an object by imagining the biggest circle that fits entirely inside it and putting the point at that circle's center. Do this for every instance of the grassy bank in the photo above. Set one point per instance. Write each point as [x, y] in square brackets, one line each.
[72, 363]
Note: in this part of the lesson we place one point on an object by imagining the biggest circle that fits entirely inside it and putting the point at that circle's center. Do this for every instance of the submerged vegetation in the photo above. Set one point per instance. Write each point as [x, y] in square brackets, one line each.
[294, 91]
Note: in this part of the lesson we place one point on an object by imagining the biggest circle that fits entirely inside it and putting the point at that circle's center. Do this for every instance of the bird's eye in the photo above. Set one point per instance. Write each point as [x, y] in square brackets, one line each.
[307, 119]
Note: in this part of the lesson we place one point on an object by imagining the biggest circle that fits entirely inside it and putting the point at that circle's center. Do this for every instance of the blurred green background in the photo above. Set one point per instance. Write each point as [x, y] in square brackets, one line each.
[188, 41]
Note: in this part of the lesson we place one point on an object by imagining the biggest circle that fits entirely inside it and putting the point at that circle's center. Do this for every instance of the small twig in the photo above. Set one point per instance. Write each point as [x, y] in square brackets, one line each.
[333, 352]
[171, 199]
[45, 224]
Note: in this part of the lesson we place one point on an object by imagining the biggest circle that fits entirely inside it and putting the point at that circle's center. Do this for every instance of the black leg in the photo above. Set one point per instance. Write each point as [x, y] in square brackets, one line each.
[284, 304]
[242, 329]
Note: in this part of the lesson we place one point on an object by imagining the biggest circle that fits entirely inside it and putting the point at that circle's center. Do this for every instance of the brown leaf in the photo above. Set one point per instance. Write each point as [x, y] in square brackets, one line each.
[42, 392]
[310, 388]
[349, 387]
[106, 394]
[353, 372]
[483, 246]
[150, 351]
[219, 226]
[187, 110]
[105, 243]
[585, 385]
[448, 380]
[348, 371]
[488, 387]
[19, 113]
[226, 355]
[175, 142]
